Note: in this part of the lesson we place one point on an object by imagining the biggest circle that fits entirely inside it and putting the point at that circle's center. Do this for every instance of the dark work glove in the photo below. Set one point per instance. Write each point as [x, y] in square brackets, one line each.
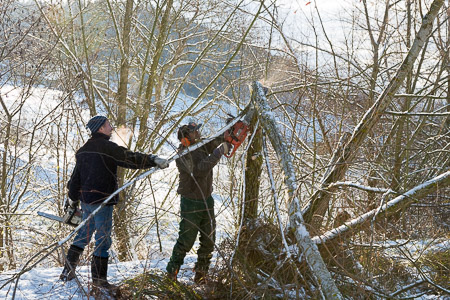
[72, 204]
[230, 130]
[230, 118]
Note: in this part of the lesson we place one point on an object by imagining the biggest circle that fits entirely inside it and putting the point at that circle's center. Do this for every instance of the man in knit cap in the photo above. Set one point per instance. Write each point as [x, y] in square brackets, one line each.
[94, 179]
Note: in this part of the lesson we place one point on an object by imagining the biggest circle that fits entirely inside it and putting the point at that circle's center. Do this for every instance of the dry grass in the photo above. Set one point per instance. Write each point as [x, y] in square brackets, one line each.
[260, 268]
[155, 285]
[437, 266]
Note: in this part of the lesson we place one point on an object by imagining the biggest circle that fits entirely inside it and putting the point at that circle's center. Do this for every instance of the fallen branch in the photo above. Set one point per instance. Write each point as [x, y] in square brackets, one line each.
[359, 186]
[408, 287]
[405, 199]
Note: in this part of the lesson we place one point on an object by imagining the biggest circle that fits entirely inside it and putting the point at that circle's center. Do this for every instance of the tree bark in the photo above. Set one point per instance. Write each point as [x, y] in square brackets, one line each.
[143, 129]
[320, 201]
[3, 182]
[310, 250]
[253, 172]
[120, 212]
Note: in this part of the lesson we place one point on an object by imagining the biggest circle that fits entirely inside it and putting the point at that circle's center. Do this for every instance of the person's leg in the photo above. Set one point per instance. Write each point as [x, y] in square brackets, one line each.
[186, 238]
[103, 227]
[99, 264]
[76, 249]
[207, 241]
[85, 233]
[70, 263]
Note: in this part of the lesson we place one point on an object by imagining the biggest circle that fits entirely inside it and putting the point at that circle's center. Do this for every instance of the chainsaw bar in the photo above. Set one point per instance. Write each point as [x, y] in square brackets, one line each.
[72, 218]
[50, 216]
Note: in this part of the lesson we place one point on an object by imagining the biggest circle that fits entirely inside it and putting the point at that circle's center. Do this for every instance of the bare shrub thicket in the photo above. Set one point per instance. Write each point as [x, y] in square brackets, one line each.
[321, 97]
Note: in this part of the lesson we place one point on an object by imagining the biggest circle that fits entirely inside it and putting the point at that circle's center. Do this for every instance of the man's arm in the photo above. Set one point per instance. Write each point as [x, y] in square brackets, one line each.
[135, 160]
[198, 164]
[74, 185]
[214, 144]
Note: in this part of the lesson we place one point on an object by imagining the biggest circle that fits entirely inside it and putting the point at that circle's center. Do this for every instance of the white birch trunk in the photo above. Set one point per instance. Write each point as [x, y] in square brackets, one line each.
[309, 248]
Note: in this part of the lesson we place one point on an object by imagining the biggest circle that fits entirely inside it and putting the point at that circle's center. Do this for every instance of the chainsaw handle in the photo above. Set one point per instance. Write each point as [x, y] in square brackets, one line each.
[232, 152]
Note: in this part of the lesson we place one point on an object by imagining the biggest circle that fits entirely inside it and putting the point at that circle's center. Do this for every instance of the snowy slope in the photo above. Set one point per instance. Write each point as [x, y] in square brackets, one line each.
[44, 283]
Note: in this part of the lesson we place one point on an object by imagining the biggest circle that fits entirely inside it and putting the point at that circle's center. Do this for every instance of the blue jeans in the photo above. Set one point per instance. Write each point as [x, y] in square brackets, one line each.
[101, 223]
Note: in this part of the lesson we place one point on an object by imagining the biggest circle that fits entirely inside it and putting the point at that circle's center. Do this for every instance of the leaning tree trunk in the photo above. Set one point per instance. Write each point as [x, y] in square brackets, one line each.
[309, 249]
[317, 206]
[357, 224]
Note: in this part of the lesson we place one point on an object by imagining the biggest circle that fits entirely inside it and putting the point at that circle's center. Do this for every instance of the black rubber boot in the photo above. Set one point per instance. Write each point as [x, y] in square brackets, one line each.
[99, 269]
[71, 262]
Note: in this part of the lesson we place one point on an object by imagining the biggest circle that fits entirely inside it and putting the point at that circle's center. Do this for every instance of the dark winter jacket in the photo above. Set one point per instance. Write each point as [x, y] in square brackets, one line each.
[95, 175]
[196, 171]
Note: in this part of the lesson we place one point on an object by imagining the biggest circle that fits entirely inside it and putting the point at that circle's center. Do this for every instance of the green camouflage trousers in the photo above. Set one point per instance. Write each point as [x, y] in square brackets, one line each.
[196, 216]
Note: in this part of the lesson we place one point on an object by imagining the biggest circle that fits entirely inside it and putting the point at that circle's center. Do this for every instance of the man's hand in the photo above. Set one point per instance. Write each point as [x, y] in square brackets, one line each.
[229, 119]
[72, 204]
[162, 163]
[223, 148]
[226, 147]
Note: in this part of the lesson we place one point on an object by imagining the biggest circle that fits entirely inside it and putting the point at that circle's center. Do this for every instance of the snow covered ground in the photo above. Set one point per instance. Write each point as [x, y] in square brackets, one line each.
[44, 283]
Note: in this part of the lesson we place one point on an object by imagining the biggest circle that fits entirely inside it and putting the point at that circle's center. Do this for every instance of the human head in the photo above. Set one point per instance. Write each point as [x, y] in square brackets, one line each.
[189, 134]
[100, 124]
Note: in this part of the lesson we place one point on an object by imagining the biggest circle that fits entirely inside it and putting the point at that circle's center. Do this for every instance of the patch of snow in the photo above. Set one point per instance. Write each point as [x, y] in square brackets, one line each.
[44, 283]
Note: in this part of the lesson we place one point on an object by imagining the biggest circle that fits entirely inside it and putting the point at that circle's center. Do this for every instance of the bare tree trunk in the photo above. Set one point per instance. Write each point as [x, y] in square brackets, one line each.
[253, 172]
[120, 213]
[447, 60]
[319, 201]
[310, 250]
[89, 90]
[3, 181]
[143, 129]
[399, 140]
[374, 75]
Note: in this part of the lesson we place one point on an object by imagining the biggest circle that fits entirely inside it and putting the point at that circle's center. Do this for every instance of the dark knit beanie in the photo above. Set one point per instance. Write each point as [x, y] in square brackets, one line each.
[95, 123]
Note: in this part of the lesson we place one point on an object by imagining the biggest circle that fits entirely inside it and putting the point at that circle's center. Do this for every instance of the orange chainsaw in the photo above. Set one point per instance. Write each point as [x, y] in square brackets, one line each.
[236, 135]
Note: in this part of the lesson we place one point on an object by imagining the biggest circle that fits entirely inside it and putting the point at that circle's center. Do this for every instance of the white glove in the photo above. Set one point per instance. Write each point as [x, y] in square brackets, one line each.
[162, 163]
